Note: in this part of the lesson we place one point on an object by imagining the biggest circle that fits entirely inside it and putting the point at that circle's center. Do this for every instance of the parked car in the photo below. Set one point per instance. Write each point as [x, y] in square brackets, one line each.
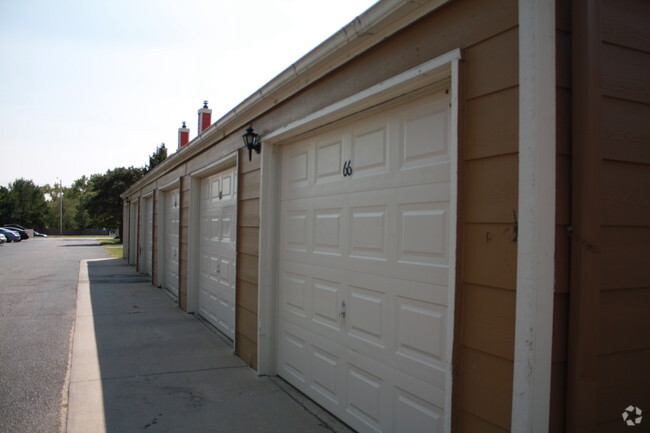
[22, 232]
[39, 235]
[3, 239]
[11, 235]
[17, 226]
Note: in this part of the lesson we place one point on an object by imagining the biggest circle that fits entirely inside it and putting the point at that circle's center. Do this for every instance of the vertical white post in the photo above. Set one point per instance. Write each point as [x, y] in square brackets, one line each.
[536, 218]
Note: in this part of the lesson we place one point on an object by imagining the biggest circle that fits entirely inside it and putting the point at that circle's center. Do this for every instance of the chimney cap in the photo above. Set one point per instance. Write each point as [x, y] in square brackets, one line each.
[184, 125]
[205, 103]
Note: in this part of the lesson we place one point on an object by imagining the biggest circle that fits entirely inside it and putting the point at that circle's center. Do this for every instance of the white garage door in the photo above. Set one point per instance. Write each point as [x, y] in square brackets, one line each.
[364, 274]
[147, 236]
[217, 251]
[133, 233]
[171, 215]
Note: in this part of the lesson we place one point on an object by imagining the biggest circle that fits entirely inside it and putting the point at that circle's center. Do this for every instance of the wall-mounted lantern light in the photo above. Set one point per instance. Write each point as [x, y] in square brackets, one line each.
[252, 142]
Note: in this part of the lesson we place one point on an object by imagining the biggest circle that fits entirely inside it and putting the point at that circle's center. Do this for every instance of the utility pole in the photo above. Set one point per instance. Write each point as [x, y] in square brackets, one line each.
[60, 207]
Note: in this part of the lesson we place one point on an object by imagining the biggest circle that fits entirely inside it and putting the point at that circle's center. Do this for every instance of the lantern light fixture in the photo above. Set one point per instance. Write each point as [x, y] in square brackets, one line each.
[252, 142]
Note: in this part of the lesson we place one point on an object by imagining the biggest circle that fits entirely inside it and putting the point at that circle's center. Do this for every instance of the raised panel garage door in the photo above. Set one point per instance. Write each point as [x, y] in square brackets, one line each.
[171, 215]
[217, 251]
[147, 236]
[364, 267]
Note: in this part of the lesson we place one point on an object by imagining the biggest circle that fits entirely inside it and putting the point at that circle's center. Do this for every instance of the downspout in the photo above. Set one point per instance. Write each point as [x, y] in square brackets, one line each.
[584, 291]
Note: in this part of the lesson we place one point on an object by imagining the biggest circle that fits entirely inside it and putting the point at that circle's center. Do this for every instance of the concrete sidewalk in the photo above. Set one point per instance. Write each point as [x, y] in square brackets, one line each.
[139, 363]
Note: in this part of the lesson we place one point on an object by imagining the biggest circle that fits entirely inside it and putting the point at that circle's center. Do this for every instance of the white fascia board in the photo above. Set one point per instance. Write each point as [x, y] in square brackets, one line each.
[381, 21]
[536, 222]
[421, 76]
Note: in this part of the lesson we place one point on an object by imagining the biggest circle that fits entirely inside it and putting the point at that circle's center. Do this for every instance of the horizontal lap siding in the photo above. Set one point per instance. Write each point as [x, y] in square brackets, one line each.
[488, 187]
[248, 222]
[154, 254]
[620, 320]
[183, 240]
[624, 349]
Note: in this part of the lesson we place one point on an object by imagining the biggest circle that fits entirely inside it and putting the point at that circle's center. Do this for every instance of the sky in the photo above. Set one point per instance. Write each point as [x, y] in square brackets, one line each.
[91, 85]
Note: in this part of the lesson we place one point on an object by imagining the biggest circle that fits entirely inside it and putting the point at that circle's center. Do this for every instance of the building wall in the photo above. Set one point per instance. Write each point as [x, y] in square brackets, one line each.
[183, 240]
[154, 253]
[486, 31]
[563, 217]
[248, 223]
[609, 309]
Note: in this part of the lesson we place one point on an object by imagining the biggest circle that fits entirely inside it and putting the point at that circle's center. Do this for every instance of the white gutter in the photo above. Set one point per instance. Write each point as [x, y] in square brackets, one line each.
[382, 20]
[536, 221]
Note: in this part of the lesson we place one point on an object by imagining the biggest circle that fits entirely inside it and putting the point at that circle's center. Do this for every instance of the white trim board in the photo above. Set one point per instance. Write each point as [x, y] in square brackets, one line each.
[409, 81]
[536, 218]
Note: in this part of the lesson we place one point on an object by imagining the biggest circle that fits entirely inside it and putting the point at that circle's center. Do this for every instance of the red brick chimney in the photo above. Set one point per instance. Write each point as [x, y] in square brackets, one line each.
[183, 135]
[205, 117]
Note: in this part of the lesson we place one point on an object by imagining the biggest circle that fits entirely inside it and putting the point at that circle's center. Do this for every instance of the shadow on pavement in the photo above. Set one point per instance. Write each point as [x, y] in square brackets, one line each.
[159, 369]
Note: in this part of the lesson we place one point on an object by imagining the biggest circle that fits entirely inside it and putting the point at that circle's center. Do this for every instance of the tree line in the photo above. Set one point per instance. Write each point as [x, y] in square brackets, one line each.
[90, 202]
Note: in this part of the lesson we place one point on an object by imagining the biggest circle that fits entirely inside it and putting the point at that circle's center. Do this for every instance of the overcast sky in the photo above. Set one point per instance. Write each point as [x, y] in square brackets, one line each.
[90, 85]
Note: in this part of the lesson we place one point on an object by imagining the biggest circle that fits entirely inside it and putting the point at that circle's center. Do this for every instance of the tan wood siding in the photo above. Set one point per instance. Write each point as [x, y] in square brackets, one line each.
[606, 376]
[248, 221]
[183, 241]
[154, 253]
[488, 188]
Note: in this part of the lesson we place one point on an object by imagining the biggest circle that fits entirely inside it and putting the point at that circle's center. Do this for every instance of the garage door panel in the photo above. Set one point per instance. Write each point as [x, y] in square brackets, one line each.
[326, 296]
[395, 148]
[423, 234]
[379, 320]
[368, 232]
[365, 391]
[414, 411]
[364, 270]
[355, 234]
[217, 251]
[367, 316]
[171, 239]
[326, 231]
[293, 358]
[326, 371]
[369, 150]
[424, 135]
[328, 160]
[147, 236]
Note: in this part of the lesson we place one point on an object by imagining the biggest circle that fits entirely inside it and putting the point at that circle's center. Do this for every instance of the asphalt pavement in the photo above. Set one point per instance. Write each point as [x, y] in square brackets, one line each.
[38, 295]
[89, 345]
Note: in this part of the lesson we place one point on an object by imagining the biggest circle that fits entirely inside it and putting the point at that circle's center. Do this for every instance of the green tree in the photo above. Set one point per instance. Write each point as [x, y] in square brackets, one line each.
[104, 204]
[5, 211]
[159, 155]
[25, 204]
[78, 193]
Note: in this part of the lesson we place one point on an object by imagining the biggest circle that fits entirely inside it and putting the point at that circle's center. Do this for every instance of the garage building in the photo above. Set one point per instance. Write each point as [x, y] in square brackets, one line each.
[447, 226]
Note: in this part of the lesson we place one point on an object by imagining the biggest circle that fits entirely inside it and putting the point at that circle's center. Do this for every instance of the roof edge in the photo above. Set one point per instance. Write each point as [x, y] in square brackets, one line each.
[379, 22]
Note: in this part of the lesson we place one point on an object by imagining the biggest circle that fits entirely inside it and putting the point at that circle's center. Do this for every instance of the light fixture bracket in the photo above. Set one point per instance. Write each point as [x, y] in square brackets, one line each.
[252, 142]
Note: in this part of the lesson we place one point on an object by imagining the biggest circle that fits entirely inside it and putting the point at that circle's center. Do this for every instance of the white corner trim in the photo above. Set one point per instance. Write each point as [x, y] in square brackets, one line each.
[453, 227]
[420, 76]
[536, 218]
